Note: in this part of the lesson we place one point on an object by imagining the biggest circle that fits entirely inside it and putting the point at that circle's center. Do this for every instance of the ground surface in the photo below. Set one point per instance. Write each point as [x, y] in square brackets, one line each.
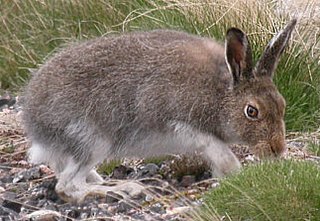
[27, 191]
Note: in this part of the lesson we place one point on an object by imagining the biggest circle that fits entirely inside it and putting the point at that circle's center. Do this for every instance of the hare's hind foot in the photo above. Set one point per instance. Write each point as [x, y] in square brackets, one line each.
[77, 192]
[78, 181]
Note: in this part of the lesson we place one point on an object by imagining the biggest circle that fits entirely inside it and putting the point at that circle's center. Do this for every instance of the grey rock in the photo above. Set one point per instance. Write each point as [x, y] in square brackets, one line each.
[26, 175]
[187, 180]
[121, 172]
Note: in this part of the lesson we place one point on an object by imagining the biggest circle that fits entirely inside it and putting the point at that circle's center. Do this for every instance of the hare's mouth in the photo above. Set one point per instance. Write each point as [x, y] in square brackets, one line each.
[267, 150]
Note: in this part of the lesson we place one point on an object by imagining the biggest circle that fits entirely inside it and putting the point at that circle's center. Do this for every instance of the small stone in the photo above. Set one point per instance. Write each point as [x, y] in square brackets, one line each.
[120, 172]
[214, 185]
[206, 175]
[250, 158]
[157, 208]
[151, 169]
[84, 216]
[10, 202]
[187, 180]
[113, 197]
[174, 182]
[17, 178]
[149, 198]
[26, 175]
[192, 197]
[6, 179]
[8, 213]
[178, 210]
[45, 169]
[44, 215]
[112, 209]
[74, 213]
[124, 207]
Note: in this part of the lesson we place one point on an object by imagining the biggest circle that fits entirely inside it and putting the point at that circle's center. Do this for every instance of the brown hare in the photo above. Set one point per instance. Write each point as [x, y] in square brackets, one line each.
[151, 93]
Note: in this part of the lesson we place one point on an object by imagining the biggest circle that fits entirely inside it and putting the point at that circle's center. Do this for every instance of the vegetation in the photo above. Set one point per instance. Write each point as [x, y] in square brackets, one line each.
[107, 167]
[314, 147]
[283, 190]
[33, 30]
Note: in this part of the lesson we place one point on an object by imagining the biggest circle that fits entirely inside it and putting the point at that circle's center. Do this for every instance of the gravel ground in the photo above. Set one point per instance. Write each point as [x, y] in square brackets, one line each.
[27, 191]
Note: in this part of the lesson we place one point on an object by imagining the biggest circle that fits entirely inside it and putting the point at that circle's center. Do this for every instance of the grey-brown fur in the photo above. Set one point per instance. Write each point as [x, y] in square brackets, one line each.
[150, 93]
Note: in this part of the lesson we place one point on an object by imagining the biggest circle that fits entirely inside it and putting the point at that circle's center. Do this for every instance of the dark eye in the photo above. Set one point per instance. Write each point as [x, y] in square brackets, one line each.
[251, 112]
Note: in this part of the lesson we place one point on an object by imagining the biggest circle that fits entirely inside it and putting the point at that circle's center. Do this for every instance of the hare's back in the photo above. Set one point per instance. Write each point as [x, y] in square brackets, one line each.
[116, 73]
[135, 53]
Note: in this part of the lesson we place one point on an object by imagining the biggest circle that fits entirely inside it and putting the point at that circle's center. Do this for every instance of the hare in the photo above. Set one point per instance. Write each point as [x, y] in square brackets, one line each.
[151, 93]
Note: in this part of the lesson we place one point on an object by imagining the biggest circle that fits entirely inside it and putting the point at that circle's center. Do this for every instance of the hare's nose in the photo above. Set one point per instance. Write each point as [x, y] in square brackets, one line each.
[278, 147]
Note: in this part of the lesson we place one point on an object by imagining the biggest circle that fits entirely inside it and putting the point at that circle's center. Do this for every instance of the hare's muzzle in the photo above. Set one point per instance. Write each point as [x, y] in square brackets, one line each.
[278, 147]
[273, 148]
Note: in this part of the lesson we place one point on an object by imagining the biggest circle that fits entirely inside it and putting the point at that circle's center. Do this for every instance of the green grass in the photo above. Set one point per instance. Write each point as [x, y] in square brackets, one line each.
[108, 167]
[282, 190]
[314, 147]
[33, 30]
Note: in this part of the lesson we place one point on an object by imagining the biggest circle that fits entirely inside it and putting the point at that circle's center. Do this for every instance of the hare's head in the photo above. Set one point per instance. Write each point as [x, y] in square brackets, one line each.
[255, 107]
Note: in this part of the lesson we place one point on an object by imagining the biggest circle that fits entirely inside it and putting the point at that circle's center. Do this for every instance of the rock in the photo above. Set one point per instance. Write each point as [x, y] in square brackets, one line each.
[26, 175]
[250, 158]
[8, 214]
[178, 210]
[43, 215]
[187, 180]
[74, 213]
[206, 175]
[121, 172]
[149, 198]
[112, 209]
[215, 185]
[150, 169]
[112, 197]
[10, 202]
[157, 208]
[124, 206]
[6, 179]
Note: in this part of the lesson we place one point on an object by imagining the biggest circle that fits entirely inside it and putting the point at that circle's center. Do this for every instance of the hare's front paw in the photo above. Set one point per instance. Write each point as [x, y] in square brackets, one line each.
[227, 166]
[222, 159]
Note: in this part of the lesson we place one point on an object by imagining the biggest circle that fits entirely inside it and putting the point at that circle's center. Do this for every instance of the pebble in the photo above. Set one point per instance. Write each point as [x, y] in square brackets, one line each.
[26, 175]
[150, 169]
[149, 198]
[8, 214]
[124, 206]
[178, 210]
[10, 202]
[112, 197]
[187, 180]
[250, 158]
[43, 215]
[121, 172]
[215, 185]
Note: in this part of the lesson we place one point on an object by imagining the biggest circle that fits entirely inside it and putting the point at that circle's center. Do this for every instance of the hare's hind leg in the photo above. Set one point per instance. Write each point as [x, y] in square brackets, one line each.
[78, 181]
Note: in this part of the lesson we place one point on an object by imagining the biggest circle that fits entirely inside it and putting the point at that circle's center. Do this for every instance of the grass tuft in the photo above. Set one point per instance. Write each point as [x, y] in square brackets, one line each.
[314, 147]
[282, 190]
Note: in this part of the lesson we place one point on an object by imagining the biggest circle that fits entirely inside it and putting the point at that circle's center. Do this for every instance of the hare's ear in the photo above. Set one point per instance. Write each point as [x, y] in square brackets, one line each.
[238, 55]
[270, 57]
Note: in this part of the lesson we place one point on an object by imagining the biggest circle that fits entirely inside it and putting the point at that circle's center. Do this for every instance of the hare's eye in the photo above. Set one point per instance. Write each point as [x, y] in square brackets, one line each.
[251, 112]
